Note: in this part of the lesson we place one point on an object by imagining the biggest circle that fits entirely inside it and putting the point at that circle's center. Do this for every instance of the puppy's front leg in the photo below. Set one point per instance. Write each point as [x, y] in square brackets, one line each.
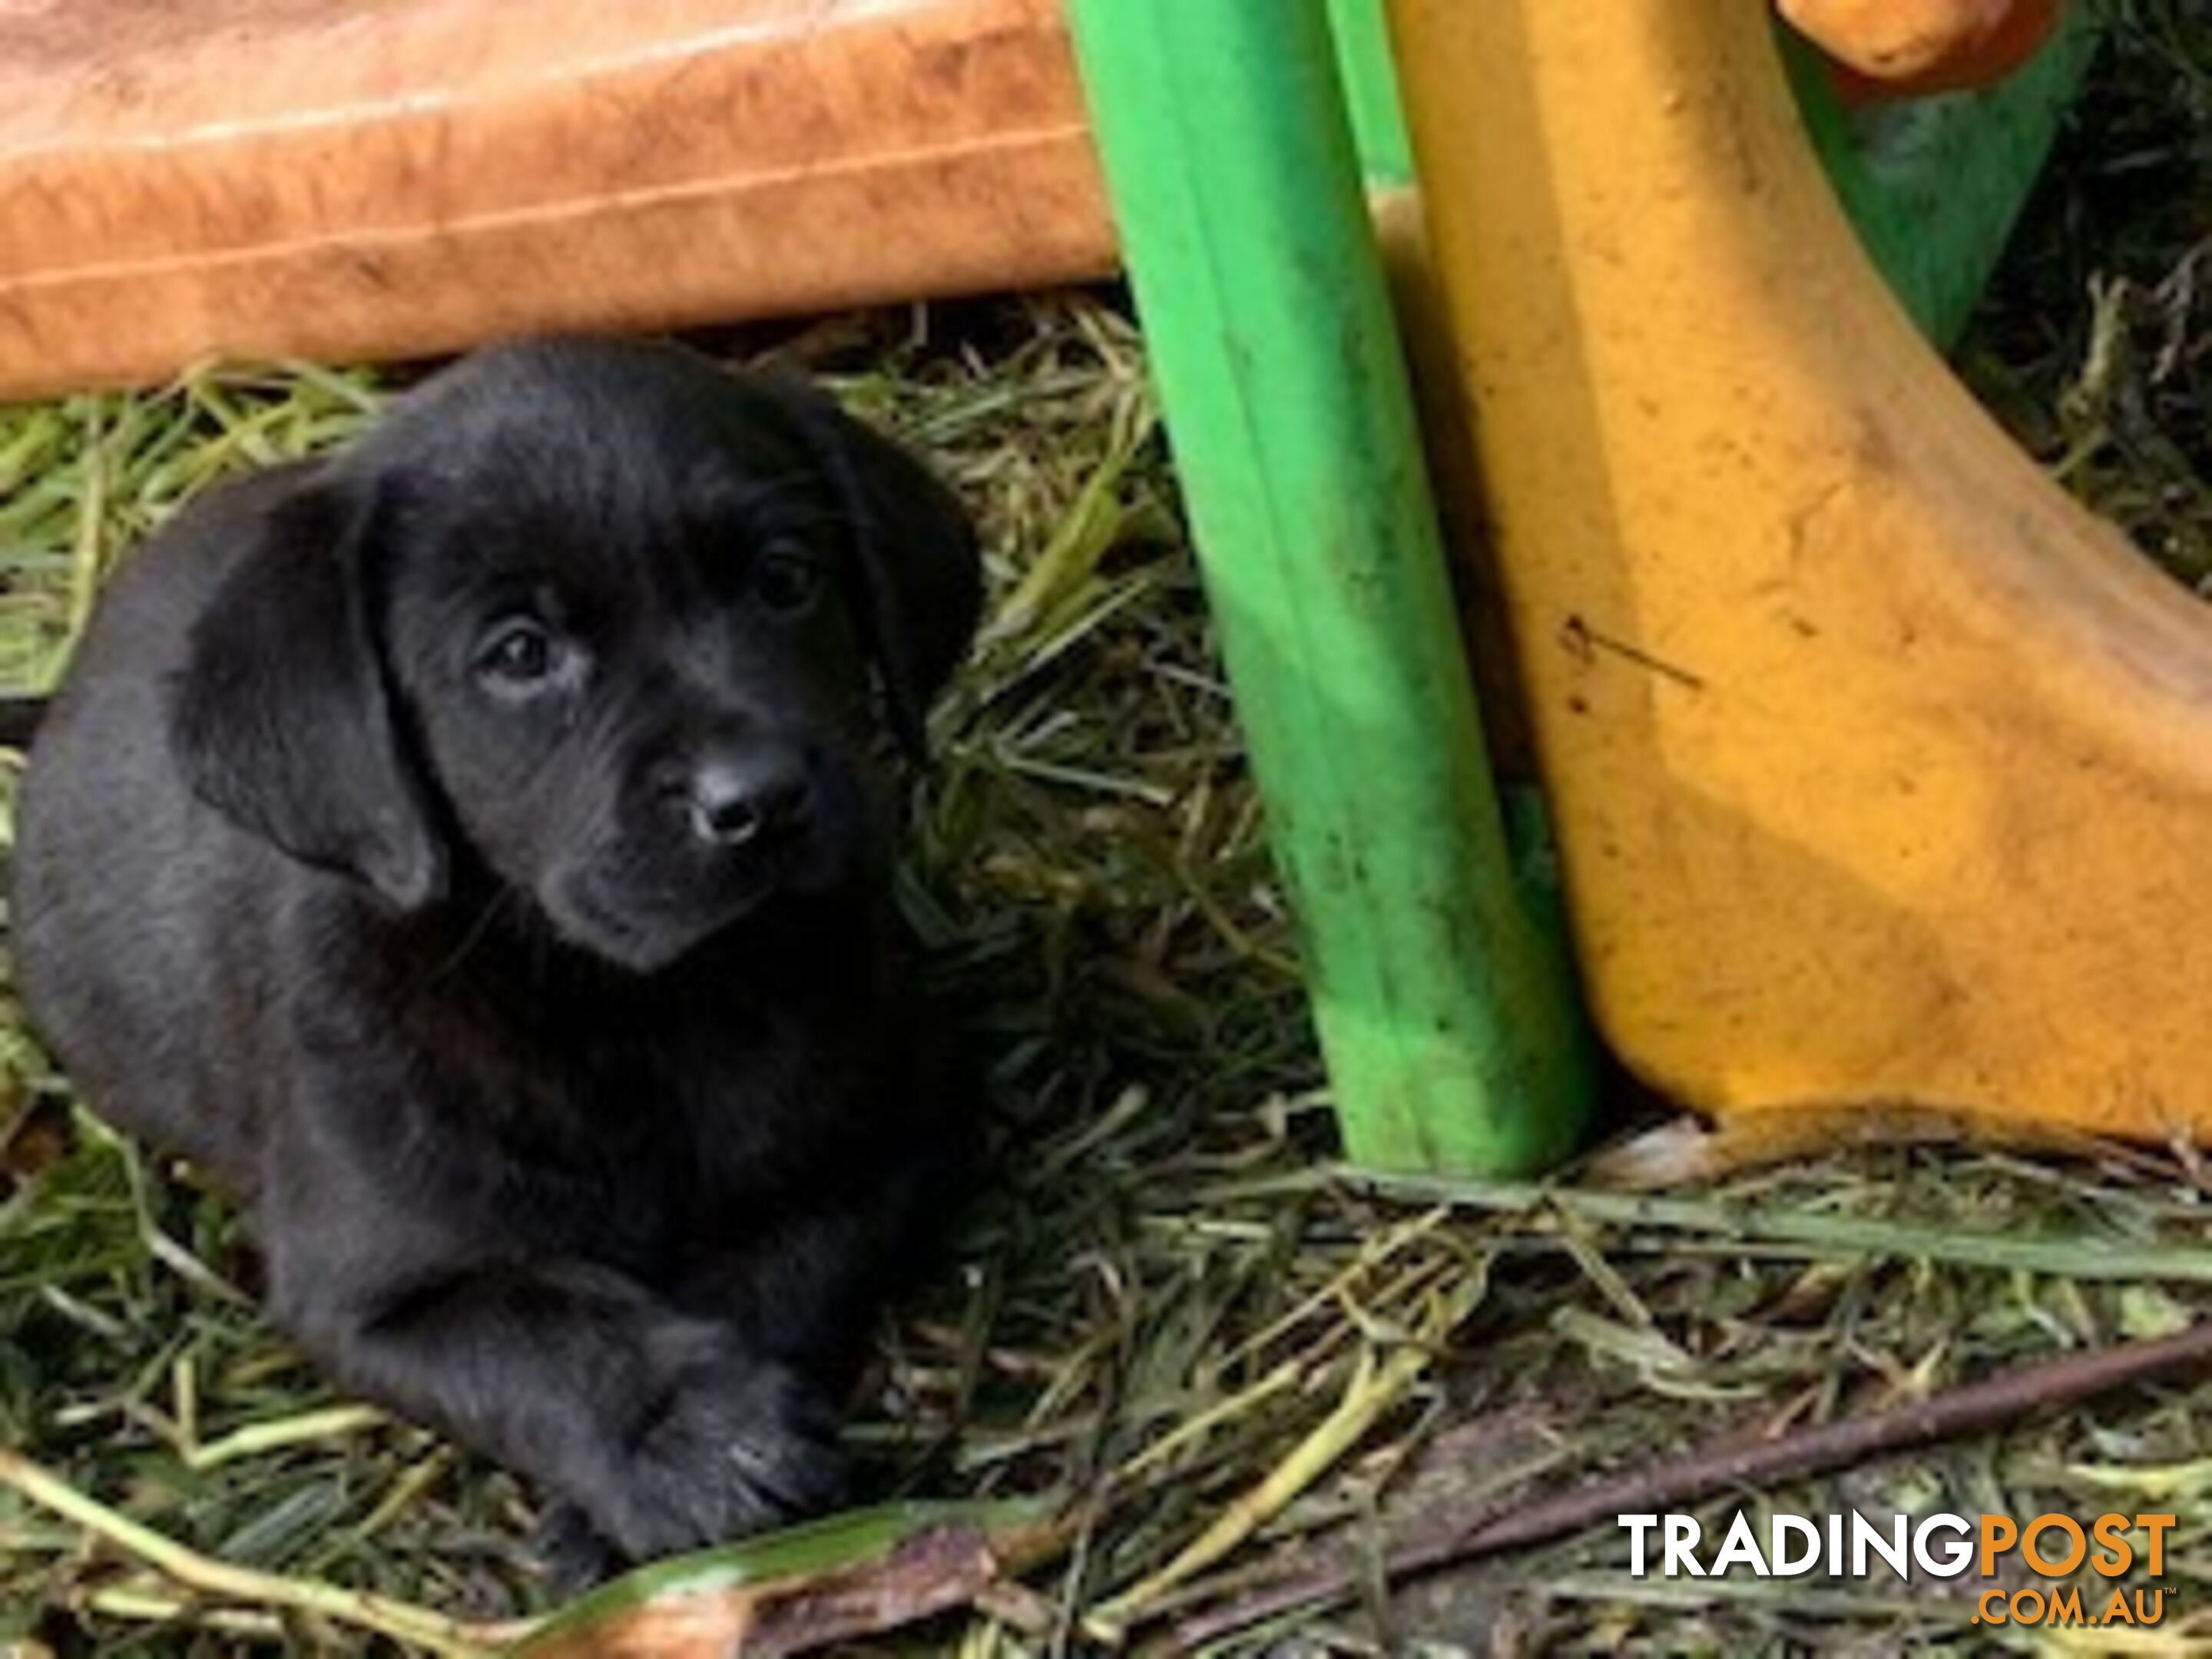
[658, 1425]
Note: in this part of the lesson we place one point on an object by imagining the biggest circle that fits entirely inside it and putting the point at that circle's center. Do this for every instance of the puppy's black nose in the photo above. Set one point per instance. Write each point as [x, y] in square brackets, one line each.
[736, 798]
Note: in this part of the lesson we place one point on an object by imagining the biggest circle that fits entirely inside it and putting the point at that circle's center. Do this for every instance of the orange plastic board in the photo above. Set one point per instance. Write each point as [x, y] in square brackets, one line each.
[350, 179]
[1882, 772]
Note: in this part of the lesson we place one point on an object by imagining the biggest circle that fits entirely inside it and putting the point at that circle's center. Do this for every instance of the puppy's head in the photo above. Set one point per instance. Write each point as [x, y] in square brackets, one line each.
[618, 628]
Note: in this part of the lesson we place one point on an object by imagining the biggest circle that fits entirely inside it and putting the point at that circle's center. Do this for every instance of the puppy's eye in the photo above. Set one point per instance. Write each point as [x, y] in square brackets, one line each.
[786, 577]
[518, 654]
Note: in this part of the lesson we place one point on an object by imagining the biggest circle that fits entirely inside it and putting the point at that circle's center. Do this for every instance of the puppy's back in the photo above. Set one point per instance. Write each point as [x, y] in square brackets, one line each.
[127, 888]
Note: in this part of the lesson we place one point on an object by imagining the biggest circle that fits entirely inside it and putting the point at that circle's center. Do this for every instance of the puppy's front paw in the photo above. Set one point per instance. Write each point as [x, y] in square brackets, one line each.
[568, 1548]
[734, 1450]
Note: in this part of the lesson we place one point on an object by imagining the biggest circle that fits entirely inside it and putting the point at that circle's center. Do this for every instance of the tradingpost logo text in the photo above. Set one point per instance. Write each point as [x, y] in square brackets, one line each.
[1850, 1547]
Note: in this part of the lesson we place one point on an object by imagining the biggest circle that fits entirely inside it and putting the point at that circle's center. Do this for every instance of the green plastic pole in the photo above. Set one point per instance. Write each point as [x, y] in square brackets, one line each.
[1370, 91]
[1443, 1003]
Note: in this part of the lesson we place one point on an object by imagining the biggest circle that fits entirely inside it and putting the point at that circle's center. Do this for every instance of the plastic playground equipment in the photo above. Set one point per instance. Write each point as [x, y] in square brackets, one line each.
[351, 181]
[1878, 770]
[1879, 767]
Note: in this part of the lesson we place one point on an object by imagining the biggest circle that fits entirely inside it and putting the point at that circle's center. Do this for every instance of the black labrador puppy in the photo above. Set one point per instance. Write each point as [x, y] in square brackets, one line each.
[472, 850]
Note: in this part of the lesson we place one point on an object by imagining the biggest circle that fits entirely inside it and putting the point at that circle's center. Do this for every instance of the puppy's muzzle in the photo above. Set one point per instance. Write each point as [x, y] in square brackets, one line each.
[735, 796]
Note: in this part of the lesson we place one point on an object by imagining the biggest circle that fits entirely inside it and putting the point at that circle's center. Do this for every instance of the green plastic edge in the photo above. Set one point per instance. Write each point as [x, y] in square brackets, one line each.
[1370, 74]
[1437, 972]
[1935, 186]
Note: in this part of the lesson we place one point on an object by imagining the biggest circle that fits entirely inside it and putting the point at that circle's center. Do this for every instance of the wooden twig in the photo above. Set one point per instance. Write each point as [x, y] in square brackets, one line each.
[1445, 1538]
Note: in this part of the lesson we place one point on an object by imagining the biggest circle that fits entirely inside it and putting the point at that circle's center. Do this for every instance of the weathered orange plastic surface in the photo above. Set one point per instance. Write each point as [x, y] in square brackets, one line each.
[1882, 772]
[1887, 48]
[359, 178]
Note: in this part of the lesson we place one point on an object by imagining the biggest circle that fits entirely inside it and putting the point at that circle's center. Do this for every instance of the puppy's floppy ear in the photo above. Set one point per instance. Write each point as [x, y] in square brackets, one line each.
[921, 575]
[283, 718]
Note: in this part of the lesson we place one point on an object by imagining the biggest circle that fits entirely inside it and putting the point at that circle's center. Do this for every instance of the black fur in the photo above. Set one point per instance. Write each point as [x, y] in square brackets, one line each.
[471, 849]
[20, 715]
